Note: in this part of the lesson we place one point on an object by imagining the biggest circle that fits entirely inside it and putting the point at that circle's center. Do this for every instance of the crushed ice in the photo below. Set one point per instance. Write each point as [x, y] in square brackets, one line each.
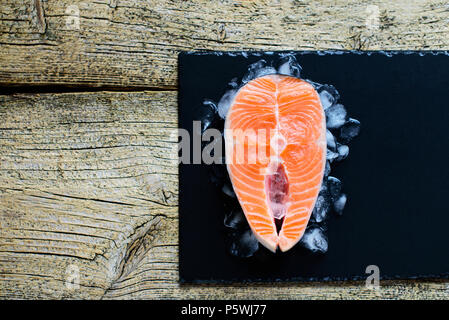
[339, 204]
[235, 219]
[341, 129]
[286, 66]
[335, 116]
[349, 130]
[225, 103]
[243, 244]
[289, 66]
[314, 239]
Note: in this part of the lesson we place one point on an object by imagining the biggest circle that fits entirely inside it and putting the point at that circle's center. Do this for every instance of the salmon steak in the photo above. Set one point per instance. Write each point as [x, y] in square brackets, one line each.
[275, 140]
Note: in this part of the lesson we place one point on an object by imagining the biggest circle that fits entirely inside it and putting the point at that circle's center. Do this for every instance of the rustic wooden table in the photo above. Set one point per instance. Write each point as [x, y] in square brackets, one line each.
[88, 158]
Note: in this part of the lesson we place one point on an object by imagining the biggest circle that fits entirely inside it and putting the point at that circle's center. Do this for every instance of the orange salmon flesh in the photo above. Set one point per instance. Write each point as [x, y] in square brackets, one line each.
[275, 138]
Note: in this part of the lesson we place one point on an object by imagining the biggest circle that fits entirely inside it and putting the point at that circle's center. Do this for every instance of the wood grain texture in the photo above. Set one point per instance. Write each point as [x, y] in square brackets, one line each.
[134, 44]
[87, 180]
[90, 180]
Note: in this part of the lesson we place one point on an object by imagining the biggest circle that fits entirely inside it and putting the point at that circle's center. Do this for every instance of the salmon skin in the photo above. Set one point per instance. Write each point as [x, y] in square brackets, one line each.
[275, 140]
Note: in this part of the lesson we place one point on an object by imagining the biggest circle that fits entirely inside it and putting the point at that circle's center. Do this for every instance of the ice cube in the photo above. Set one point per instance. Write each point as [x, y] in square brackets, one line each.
[339, 204]
[233, 83]
[334, 187]
[316, 85]
[336, 116]
[321, 208]
[331, 156]
[343, 151]
[315, 240]
[331, 93]
[284, 68]
[258, 69]
[327, 99]
[327, 169]
[207, 114]
[225, 102]
[252, 70]
[349, 130]
[228, 190]
[289, 66]
[322, 204]
[324, 188]
[243, 244]
[235, 219]
[212, 104]
[330, 139]
[264, 71]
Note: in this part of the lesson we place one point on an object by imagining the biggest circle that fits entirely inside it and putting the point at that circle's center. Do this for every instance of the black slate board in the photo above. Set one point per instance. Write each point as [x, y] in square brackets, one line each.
[396, 175]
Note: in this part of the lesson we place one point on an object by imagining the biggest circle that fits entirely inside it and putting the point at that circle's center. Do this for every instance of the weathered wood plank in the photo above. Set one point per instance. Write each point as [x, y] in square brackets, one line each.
[89, 180]
[131, 43]
[86, 181]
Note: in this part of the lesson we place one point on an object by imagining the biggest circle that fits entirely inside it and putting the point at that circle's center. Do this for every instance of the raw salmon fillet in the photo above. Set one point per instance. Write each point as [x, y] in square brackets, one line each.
[275, 137]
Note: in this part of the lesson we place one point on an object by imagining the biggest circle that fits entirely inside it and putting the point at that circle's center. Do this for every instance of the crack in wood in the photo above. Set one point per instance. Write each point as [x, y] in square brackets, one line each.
[58, 88]
[40, 14]
[139, 243]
